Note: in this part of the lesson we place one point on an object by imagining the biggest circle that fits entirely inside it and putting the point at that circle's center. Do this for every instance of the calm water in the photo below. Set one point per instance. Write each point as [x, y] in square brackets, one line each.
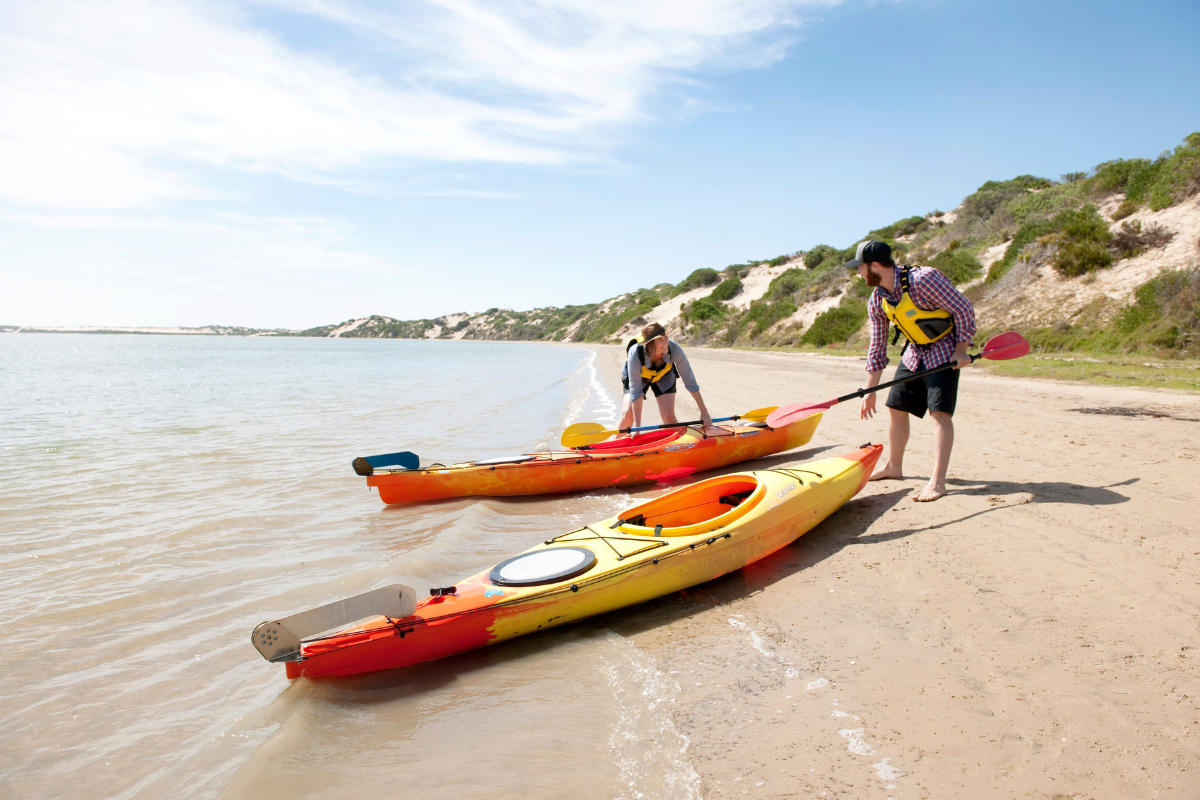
[159, 496]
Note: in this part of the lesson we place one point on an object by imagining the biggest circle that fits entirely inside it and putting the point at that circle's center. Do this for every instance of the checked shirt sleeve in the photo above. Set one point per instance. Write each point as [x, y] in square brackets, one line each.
[877, 351]
[931, 289]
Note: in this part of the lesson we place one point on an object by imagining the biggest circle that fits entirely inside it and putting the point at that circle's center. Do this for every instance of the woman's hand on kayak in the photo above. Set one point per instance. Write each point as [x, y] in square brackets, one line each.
[706, 418]
[868, 407]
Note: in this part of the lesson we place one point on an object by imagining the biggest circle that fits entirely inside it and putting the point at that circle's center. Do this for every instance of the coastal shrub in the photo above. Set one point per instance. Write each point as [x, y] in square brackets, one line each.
[786, 283]
[989, 197]
[737, 270]
[1132, 239]
[1165, 313]
[726, 290]
[818, 255]
[701, 309]
[1048, 202]
[1073, 177]
[1113, 176]
[859, 288]
[1179, 176]
[1082, 237]
[904, 227]
[699, 278]
[835, 325]
[958, 265]
[765, 313]
[1077, 258]
[1027, 235]
[777, 260]
[1126, 208]
[1169, 179]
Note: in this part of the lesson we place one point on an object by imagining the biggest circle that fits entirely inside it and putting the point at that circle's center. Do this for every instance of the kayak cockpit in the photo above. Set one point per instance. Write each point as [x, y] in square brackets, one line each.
[696, 509]
[643, 441]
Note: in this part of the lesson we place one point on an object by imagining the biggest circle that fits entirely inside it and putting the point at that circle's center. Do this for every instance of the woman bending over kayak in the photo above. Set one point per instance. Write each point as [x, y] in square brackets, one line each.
[654, 362]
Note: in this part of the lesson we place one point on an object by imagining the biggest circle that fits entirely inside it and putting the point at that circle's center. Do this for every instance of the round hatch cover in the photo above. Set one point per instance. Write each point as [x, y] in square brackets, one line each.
[544, 566]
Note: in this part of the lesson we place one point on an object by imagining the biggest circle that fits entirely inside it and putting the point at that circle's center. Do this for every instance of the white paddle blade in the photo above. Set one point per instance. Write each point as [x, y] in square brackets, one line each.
[280, 640]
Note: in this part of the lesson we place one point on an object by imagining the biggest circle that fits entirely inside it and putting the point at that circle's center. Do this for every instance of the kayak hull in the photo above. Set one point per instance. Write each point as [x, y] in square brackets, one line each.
[631, 566]
[682, 453]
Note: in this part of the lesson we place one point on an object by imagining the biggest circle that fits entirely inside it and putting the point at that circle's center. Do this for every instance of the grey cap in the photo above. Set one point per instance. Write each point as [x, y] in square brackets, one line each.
[869, 252]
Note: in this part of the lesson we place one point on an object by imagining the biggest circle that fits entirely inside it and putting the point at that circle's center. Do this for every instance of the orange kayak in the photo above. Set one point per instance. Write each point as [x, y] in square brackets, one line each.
[656, 547]
[646, 458]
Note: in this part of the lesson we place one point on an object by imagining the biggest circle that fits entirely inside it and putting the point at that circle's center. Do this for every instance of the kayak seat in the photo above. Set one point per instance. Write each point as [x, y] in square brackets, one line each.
[735, 500]
[695, 509]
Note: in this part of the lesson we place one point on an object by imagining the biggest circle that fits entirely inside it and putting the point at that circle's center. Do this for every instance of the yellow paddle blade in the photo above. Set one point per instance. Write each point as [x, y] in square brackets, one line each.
[582, 433]
[759, 414]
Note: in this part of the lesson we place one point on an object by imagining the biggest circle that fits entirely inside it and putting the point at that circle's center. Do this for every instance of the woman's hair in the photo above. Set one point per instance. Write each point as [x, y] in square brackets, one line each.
[652, 330]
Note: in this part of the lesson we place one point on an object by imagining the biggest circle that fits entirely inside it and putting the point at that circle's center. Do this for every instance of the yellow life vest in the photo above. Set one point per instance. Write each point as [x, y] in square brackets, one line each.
[651, 375]
[918, 325]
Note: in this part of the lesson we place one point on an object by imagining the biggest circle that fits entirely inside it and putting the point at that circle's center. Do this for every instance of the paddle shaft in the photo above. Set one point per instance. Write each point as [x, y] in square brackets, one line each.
[913, 377]
[675, 424]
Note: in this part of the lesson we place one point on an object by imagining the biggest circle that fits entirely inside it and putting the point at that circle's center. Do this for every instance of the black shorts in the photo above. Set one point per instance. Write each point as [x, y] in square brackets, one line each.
[654, 387]
[936, 392]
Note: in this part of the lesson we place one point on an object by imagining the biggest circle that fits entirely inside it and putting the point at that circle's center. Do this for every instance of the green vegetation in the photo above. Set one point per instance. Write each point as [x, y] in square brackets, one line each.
[905, 227]
[958, 265]
[1169, 179]
[698, 279]
[836, 325]
[1082, 238]
[701, 309]
[816, 257]
[726, 290]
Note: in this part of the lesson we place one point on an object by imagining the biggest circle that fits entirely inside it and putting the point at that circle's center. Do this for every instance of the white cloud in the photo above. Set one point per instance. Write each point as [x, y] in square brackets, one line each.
[119, 103]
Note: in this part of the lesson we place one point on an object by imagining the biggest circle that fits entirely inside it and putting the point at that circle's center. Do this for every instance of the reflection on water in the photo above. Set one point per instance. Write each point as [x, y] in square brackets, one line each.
[159, 496]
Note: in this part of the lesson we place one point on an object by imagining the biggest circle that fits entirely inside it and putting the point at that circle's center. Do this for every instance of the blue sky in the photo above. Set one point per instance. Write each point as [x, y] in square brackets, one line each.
[268, 164]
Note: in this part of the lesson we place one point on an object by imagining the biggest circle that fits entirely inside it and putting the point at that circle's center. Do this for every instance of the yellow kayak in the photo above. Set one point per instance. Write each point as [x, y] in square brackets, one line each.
[683, 538]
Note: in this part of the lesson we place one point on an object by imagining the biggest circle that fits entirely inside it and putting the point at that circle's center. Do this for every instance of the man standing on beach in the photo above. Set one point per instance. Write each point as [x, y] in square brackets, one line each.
[938, 323]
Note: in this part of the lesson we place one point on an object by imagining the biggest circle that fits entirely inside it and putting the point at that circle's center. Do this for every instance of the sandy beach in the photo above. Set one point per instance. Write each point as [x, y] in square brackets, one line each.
[1032, 634]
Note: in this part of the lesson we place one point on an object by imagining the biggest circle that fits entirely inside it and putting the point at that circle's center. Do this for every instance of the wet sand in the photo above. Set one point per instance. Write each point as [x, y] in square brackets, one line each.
[1032, 634]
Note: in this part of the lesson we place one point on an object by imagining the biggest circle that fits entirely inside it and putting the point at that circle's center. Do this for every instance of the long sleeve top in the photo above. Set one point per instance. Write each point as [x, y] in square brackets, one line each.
[930, 290]
[637, 386]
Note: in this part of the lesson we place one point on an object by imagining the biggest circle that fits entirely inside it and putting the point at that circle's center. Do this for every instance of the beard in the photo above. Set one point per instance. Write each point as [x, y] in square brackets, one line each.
[872, 278]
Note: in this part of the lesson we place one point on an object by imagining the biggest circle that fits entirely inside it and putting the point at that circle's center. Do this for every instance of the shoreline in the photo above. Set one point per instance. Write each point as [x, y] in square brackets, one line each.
[1006, 639]
[1110, 369]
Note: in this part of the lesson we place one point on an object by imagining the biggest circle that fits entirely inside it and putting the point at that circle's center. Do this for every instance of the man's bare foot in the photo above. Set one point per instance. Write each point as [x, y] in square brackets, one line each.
[932, 491]
[888, 473]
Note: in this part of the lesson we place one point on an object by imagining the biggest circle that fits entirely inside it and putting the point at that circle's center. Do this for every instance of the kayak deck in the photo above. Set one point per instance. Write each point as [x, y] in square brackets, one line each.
[678, 540]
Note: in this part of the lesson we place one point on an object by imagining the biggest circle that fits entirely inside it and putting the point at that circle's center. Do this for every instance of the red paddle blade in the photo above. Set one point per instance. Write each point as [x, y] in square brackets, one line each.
[1004, 347]
[786, 415]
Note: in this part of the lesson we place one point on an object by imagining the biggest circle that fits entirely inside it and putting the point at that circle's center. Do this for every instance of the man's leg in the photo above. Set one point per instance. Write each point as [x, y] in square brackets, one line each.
[666, 408]
[897, 441]
[943, 442]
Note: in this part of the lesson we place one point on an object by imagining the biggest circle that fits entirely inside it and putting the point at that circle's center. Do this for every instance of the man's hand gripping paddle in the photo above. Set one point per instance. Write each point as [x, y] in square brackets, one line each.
[1004, 347]
[585, 433]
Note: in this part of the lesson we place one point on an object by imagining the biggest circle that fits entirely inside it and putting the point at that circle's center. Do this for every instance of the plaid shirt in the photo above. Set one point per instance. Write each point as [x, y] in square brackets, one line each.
[930, 290]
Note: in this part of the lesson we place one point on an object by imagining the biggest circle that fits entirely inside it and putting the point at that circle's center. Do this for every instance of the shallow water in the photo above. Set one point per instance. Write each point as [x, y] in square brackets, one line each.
[159, 496]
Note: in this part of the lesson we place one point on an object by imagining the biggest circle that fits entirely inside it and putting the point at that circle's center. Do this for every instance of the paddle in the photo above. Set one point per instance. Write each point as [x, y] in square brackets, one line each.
[584, 433]
[1004, 347]
[367, 465]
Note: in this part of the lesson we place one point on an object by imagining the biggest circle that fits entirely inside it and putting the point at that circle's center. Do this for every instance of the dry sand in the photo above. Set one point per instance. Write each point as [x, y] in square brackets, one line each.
[1032, 634]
